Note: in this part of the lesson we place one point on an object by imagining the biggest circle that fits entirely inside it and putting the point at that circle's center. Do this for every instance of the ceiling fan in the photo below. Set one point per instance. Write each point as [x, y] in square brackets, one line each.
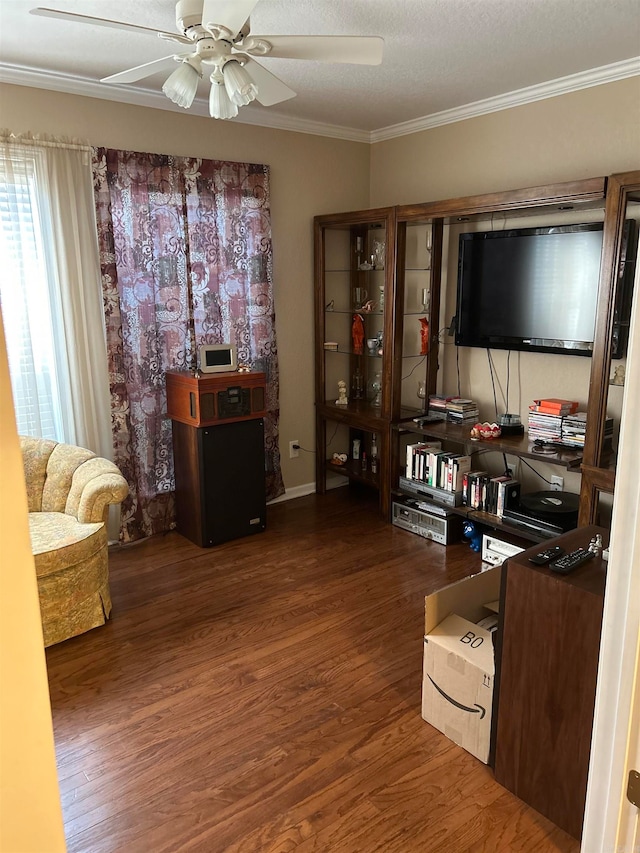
[221, 46]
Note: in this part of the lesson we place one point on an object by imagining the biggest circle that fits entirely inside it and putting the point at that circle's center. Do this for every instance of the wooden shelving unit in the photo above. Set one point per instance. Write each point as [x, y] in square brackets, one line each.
[409, 271]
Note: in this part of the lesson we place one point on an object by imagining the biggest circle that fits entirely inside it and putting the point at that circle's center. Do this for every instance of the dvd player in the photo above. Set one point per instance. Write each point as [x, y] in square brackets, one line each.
[419, 489]
[528, 522]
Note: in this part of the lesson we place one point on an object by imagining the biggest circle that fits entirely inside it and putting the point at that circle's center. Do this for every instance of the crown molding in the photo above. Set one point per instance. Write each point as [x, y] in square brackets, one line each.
[22, 75]
[56, 81]
[561, 86]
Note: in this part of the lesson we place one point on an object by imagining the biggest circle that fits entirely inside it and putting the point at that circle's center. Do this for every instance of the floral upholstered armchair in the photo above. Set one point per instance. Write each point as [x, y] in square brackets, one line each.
[69, 490]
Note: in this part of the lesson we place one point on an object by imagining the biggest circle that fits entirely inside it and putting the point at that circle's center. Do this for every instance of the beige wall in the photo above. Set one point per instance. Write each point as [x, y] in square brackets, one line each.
[309, 175]
[30, 814]
[592, 132]
[583, 134]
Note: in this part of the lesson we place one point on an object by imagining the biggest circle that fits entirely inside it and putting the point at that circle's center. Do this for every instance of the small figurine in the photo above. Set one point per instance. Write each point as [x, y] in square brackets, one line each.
[618, 375]
[595, 546]
[424, 335]
[473, 535]
[342, 393]
[357, 333]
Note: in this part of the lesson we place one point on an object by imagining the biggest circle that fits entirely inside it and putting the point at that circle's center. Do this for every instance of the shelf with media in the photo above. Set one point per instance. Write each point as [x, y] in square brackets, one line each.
[516, 445]
[421, 497]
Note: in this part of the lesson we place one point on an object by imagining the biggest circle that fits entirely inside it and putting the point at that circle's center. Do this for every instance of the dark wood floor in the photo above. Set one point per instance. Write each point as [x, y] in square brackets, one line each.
[264, 695]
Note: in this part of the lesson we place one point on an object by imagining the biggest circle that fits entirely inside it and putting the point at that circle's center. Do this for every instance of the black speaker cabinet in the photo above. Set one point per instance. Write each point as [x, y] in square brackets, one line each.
[220, 482]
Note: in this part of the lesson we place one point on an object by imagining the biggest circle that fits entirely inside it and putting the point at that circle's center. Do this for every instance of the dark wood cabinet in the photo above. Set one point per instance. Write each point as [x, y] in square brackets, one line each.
[220, 483]
[218, 454]
[547, 663]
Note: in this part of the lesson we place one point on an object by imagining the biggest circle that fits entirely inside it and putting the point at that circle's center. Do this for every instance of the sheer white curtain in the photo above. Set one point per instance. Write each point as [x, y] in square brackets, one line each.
[50, 291]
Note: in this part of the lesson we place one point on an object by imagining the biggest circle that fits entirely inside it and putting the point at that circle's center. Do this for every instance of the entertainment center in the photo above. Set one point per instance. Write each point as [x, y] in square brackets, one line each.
[546, 669]
[383, 275]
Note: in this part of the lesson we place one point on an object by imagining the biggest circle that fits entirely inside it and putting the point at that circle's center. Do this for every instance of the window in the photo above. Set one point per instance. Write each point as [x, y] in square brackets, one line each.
[51, 292]
[30, 301]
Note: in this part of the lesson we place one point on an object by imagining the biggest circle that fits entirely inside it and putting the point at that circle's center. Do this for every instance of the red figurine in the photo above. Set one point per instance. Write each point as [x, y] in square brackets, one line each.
[424, 335]
[357, 333]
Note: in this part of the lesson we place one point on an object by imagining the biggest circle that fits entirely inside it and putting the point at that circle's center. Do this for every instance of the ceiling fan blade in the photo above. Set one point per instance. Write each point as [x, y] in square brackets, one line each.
[359, 50]
[104, 22]
[271, 90]
[141, 71]
[230, 14]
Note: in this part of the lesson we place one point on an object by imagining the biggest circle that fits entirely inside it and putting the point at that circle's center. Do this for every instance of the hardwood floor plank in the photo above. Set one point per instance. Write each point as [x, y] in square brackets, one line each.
[264, 695]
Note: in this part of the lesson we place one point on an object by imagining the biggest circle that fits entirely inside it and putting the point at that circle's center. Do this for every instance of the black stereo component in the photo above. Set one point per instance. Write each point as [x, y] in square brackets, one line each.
[532, 525]
[559, 508]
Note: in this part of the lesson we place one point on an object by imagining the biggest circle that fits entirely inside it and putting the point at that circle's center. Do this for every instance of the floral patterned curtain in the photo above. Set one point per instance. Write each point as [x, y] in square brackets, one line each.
[186, 259]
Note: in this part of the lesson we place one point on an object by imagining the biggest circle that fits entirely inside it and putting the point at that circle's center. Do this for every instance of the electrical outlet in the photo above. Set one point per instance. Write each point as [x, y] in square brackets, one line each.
[294, 449]
[512, 464]
[557, 483]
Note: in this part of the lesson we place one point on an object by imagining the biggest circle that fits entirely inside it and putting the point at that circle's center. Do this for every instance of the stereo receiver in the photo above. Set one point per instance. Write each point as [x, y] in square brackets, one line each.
[215, 398]
[443, 527]
[496, 551]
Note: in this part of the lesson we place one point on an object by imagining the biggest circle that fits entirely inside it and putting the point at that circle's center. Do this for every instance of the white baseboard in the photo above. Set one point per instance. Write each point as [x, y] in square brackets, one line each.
[334, 481]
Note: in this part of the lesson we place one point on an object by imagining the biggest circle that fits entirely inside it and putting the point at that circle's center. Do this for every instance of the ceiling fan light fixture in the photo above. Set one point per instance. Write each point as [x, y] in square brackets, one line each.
[182, 84]
[239, 85]
[220, 104]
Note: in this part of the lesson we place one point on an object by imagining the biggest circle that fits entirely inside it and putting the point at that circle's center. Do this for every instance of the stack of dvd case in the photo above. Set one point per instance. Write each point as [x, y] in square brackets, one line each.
[462, 411]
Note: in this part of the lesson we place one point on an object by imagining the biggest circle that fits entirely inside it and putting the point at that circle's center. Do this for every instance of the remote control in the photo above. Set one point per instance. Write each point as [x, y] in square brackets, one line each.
[546, 556]
[571, 561]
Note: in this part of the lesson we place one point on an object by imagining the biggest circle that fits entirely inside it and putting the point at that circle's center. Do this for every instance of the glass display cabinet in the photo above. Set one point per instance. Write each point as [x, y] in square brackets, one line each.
[354, 329]
[374, 303]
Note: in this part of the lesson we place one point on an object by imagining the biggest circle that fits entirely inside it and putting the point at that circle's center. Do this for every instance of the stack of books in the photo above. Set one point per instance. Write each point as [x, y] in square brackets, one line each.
[438, 402]
[574, 428]
[417, 467]
[546, 417]
[462, 411]
[554, 406]
[427, 463]
[489, 494]
[545, 427]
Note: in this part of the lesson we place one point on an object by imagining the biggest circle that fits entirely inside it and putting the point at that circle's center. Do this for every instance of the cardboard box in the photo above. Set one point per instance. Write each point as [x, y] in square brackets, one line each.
[458, 668]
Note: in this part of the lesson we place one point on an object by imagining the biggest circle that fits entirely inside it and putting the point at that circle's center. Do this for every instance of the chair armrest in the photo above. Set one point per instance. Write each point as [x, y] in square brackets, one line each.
[98, 493]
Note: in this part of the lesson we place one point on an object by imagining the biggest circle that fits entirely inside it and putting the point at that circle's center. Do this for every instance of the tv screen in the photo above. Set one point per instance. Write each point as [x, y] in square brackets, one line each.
[529, 289]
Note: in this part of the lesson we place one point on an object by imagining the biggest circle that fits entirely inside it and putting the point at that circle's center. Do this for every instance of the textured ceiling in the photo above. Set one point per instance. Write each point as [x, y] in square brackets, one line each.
[439, 54]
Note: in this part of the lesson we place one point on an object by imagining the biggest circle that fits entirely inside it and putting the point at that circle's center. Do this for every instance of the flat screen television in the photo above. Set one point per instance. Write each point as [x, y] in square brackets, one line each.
[534, 289]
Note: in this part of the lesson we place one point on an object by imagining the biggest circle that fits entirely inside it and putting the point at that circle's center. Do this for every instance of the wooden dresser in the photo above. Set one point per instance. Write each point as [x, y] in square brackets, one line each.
[546, 678]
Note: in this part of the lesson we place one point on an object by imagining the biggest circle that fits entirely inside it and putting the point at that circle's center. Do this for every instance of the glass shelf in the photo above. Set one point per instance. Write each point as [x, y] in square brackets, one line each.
[354, 471]
[342, 351]
[345, 269]
[375, 313]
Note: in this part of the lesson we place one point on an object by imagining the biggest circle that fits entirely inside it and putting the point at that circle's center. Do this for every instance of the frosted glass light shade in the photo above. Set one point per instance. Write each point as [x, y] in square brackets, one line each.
[220, 104]
[181, 85]
[240, 87]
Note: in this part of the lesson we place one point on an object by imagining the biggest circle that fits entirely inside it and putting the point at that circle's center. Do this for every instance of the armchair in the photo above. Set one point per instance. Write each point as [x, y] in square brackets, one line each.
[69, 490]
